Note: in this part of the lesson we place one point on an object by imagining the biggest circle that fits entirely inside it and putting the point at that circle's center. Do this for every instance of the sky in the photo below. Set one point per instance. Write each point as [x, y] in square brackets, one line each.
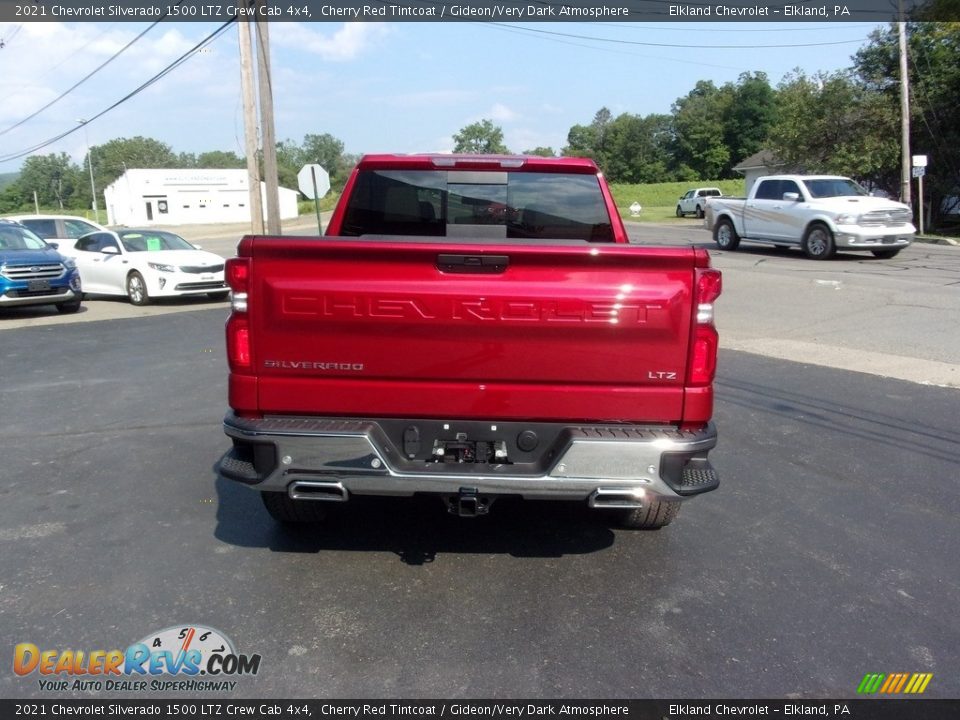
[382, 87]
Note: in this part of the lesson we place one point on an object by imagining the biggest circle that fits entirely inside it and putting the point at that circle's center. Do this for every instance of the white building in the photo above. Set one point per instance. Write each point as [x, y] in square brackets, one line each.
[180, 197]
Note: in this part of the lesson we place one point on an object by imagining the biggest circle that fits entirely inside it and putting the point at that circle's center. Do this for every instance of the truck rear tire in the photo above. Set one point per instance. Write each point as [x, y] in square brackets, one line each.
[699, 212]
[286, 510]
[654, 516]
[818, 242]
[725, 236]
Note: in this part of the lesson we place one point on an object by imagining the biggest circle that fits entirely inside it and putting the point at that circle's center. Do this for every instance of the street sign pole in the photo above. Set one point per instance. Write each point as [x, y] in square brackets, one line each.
[316, 199]
[314, 182]
[919, 170]
[920, 193]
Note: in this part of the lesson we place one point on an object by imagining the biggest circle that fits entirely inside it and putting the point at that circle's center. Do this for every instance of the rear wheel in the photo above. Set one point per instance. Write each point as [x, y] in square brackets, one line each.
[699, 211]
[725, 236]
[818, 242]
[885, 254]
[654, 516]
[285, 509]
[137, 289]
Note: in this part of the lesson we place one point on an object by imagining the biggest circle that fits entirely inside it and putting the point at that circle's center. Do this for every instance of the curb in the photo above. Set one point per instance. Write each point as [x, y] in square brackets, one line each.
[937, 240]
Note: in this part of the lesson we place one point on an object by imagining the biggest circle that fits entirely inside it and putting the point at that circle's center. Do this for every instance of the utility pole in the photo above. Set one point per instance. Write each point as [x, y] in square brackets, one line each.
[93, 189]
[250, 126]
[266, 122]
[905, 178]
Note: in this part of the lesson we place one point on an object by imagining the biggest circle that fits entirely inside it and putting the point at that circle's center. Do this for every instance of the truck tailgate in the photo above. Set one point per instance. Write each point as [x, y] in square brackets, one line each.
[445, 329]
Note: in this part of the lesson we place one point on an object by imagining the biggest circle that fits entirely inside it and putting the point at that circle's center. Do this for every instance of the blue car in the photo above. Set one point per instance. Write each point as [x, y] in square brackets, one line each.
[34, 273]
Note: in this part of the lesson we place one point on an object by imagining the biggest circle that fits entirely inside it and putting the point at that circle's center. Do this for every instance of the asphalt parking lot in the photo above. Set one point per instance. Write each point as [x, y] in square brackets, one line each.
[828, 551]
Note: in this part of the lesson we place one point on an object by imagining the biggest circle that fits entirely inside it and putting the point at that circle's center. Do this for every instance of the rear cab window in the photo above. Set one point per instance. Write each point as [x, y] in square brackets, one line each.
[483, 204]
[47, 229]
[78, 228]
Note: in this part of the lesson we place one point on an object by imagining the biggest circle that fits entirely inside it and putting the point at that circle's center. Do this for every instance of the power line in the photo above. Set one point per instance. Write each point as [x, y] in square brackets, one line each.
[619, 51]
[32, 81]
[168, 69]
[11, 36]
[676, 45]
[89, 75]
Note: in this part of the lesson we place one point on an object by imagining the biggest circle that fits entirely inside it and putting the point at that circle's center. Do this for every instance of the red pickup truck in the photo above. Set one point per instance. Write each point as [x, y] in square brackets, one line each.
[472, 327]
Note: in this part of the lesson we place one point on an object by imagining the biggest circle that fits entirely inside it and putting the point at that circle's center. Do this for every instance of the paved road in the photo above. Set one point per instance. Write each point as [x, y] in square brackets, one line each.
[828, 552]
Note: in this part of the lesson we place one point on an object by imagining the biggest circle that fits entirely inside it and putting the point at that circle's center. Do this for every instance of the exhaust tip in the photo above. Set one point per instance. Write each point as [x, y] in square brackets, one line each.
[318, 490]
[625, 498]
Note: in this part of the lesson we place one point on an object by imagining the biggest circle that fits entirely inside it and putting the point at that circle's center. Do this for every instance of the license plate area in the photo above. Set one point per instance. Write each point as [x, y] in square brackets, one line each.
[38, 285]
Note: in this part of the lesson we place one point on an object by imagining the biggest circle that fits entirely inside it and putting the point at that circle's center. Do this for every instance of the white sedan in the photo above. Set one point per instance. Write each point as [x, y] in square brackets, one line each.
[145, 264]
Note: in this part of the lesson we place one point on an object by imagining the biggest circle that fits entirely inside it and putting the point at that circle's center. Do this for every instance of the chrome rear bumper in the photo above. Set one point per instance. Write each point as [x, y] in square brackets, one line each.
[332, 459]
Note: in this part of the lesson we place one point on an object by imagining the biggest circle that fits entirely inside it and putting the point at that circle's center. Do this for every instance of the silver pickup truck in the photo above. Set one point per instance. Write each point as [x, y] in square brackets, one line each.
[817, 213]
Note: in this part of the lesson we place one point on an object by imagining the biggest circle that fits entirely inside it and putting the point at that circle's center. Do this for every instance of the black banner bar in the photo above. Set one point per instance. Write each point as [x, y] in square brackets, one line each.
[207, 708]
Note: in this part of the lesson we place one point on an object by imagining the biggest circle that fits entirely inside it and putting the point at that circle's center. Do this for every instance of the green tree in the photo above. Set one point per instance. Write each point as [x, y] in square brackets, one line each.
[54, 178]
[932, 50]
[220, 159]
[323, 149]
[480, 137]
[591, 140]
[541, 151]
[698, 148]
[637, 149]
[12, 198]
[115, 157]
[327, 151]
[290, 159]
[750, 116]
[832, 124]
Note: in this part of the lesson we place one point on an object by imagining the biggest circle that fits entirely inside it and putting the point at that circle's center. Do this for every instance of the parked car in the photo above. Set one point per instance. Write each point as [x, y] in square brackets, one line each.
[693, 202]
[34, 273]
[145, 264]
[61, 231]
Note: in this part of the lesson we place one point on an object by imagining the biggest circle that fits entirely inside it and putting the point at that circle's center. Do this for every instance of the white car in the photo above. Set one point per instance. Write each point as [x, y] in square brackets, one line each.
[146, 264]
[61, 231]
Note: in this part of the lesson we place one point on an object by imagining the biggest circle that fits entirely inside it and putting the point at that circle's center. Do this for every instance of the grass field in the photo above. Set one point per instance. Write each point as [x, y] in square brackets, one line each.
[659, 200]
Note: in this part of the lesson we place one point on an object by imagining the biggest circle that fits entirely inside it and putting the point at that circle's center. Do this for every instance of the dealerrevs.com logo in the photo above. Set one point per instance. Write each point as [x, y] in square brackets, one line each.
[197, 657]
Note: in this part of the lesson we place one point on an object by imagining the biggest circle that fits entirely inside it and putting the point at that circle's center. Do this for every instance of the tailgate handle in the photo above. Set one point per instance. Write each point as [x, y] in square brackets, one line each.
[487, 264]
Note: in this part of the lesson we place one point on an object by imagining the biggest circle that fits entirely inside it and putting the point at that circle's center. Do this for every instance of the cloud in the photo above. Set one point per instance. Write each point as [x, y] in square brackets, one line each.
[431, 98]
[501, 113]
[347, 43]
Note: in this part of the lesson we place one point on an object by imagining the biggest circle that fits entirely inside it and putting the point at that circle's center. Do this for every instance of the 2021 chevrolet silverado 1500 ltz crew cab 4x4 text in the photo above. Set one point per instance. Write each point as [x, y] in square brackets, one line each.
[472, 327]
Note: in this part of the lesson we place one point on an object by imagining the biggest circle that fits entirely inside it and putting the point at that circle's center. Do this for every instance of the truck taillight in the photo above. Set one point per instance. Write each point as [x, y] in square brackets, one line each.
[238, 274]
[705, 341]
[238, 343]
[703, 357]
[239, 353]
